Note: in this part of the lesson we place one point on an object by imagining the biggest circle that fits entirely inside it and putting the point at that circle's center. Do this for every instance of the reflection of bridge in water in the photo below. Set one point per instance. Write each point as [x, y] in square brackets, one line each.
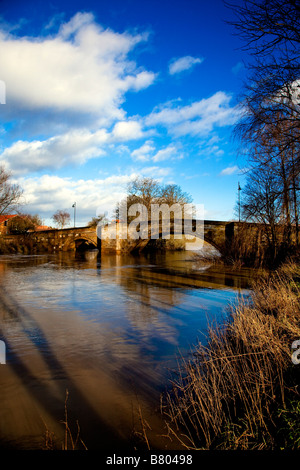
[216, 233]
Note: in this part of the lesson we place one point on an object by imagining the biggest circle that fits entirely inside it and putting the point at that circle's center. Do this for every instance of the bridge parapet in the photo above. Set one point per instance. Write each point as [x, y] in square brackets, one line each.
[55, 240]
[216, 233]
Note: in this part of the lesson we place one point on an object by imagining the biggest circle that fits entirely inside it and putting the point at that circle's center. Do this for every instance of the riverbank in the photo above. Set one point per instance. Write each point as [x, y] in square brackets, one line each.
[20, 246]
[240, 389]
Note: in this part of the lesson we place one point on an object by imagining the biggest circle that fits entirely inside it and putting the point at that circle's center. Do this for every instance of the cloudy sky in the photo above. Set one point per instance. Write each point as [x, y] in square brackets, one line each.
[99, 92]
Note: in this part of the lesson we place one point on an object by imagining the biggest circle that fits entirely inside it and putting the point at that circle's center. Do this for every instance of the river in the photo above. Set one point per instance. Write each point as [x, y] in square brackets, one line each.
[105, 333]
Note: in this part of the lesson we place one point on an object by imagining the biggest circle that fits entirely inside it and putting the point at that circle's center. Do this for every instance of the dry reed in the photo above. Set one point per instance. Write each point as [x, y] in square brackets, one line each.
[236, 388]
[71, 441]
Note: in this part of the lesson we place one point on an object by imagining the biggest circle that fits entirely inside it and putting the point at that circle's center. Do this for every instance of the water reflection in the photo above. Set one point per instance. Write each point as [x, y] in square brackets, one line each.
[107, 329]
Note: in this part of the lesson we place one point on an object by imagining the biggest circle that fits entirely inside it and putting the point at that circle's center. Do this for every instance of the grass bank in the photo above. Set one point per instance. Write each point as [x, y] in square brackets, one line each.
[240, 389]
[21, 246]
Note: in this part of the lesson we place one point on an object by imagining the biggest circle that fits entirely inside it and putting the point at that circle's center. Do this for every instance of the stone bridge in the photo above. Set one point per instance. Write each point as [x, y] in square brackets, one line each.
[55, 240]
[216, 233]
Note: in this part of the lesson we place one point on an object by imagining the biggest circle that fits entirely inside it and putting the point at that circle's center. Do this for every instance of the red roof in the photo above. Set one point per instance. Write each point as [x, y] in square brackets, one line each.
[42, 227]
[3, 218]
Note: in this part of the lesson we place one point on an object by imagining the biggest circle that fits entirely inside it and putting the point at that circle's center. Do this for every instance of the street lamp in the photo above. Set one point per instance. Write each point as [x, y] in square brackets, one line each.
[239, 192]
[74, 205]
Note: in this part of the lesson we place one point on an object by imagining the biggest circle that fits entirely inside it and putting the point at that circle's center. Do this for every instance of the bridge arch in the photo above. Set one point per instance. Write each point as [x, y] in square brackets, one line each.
[206, 236]
[84, 244]
[79, 244]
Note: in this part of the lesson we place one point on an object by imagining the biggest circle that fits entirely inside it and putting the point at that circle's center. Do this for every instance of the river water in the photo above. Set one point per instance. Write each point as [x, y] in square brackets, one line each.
[105, 333]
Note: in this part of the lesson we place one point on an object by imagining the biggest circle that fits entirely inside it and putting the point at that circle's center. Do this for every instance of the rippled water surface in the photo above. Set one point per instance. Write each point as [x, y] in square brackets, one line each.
[109, 331]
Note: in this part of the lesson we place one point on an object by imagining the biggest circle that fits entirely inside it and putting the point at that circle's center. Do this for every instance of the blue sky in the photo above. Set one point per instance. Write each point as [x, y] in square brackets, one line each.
[99, 92]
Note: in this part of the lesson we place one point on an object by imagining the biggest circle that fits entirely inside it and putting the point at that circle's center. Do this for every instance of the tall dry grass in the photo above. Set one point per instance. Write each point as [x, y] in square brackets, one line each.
[71, 440]
[237, 390]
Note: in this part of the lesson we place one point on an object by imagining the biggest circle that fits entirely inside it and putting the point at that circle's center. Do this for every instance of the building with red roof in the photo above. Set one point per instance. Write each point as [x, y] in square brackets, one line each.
[4, 219]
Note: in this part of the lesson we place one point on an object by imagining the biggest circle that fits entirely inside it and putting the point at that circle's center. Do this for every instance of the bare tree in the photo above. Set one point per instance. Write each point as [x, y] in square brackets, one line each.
[173, 194]
[100, 219]
[268, 25]
[269, 129]
[262, 203]
[145, 191]
[149, 191]
[10, 194]
[271, 33]
[61, 218]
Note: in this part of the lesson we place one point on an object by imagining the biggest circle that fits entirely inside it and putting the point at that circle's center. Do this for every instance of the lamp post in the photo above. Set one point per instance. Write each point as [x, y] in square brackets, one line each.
[74, 205]
[239, 192]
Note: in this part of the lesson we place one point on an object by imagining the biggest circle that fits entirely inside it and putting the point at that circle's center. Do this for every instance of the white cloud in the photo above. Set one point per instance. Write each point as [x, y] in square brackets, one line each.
[230, 170]
[166, 154]
[211, 147]
[127, 130]
[140, 81]
[47, 193]
[198, 118]
[183, 63]
[69, 87]
[75, 148]
[83, 68]
[144, 152]
[72, 148]
[156, 172]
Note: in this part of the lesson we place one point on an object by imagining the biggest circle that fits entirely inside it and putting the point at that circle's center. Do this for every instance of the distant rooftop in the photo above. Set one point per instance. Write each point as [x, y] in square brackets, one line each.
[42, 227]
[3, 218]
